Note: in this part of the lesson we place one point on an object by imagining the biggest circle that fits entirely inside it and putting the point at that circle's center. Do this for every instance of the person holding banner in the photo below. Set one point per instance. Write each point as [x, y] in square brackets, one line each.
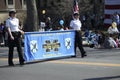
[76, 25]
[14, 38]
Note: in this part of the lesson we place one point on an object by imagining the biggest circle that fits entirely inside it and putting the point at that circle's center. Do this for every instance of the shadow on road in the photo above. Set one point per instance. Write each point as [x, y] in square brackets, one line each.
[4, 66]
[37, 61]
[7, 66]
[105, 78]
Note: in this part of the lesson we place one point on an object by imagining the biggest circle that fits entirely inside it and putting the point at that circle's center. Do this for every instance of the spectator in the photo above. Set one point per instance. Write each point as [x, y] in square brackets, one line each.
[101, 39]
[48, 24]
[113, 28]
[116, 18]
[94, 39]
[110, 42]
[2, 27]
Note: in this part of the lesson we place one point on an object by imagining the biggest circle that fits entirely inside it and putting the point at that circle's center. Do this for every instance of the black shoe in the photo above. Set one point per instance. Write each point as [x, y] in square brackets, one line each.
[22, 63]
[74, 56]
[83, 55]
[11, 65]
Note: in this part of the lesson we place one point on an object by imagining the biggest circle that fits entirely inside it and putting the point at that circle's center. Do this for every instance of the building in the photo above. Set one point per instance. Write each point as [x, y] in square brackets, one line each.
[6, 5]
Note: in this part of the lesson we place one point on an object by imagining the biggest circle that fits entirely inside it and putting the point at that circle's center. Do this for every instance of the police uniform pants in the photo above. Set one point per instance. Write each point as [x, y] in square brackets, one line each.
[15, 43]
[78, 43]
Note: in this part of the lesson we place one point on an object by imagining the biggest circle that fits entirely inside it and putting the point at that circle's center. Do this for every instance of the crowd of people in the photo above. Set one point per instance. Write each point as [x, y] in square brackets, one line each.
[104, 39]
[98, 39]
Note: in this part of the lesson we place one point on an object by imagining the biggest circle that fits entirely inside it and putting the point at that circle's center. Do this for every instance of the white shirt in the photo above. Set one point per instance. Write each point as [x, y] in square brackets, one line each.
[76, 24]
[112, 30]
[13, 24]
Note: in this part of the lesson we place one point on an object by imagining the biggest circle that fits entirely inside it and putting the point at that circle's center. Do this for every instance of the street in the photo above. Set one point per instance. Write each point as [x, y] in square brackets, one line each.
[100, 64]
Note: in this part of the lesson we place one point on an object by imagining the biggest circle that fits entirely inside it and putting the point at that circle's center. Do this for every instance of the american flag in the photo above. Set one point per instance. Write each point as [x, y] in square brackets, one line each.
[75, 6]
[111, 6]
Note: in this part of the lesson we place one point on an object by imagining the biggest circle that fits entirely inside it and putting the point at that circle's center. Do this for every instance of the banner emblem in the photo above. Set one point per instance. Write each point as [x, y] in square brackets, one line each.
[68, 43]
[51, 45]
[33, 46]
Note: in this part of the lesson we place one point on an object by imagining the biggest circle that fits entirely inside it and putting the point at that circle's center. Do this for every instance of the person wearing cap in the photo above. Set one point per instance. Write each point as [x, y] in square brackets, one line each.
[76, 24]
[14, 38]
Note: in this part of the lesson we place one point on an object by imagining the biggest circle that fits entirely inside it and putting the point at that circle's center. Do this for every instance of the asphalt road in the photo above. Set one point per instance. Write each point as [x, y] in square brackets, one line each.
[100, 64]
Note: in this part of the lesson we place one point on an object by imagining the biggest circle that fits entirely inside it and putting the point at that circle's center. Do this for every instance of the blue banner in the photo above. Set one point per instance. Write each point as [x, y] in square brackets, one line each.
[44, 45]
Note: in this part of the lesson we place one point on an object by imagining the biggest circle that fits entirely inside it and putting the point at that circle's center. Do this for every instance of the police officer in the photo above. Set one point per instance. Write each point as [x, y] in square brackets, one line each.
[76, 25]
[14, 38]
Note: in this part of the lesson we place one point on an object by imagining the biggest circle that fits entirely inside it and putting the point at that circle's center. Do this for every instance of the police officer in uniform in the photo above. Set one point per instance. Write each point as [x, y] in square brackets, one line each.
[76, 25]
[14, 38]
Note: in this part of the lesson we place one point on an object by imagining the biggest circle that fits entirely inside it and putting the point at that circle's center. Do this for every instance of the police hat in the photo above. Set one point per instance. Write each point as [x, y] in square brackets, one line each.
[12, 11]
[76, 14]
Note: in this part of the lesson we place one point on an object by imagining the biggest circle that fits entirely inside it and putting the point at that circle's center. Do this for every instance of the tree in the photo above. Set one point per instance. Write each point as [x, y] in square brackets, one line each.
[32, 19]
[58, 9]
